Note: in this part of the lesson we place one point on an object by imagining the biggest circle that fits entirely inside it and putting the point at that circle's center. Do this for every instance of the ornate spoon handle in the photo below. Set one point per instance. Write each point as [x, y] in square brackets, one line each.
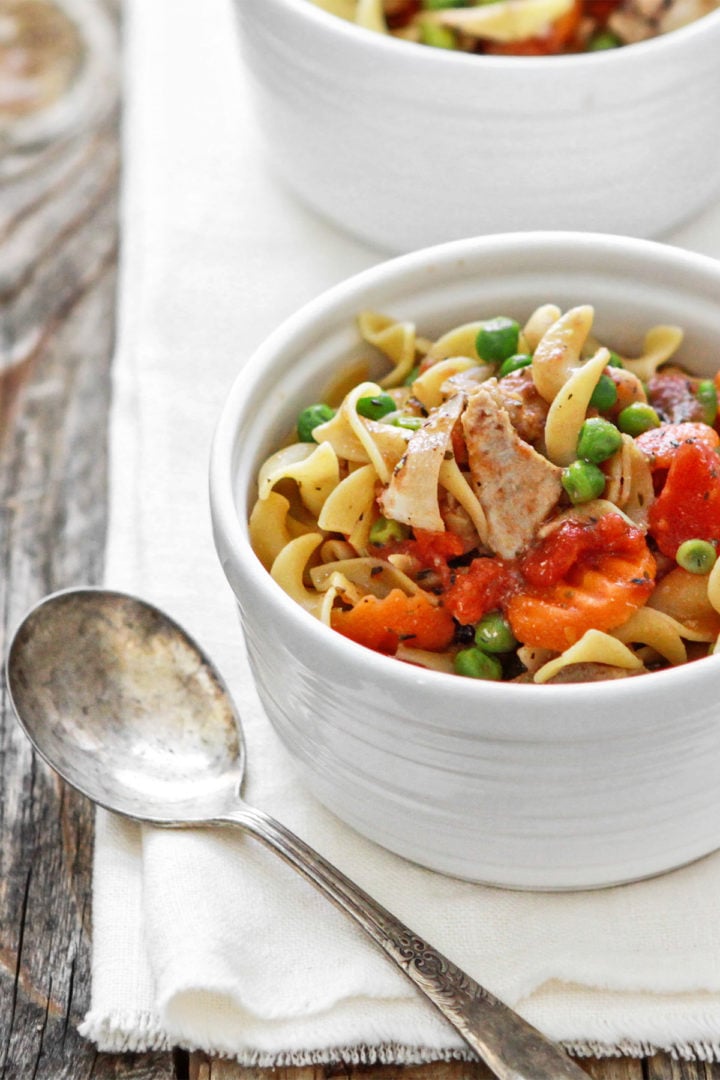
[511, 1047]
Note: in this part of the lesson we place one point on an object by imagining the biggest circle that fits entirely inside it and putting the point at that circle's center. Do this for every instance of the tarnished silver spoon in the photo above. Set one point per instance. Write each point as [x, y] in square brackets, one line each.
[118, 699]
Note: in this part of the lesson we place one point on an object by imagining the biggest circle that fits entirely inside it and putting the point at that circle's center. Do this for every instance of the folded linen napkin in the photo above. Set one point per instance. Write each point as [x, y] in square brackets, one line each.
[205, 939]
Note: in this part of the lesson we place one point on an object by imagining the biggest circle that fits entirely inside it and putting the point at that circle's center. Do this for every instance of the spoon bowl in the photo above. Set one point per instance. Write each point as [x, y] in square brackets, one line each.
[123, 704]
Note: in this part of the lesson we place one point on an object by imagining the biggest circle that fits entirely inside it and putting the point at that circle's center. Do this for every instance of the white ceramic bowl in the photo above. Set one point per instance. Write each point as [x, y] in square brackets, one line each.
[406, 145]
[556, 786]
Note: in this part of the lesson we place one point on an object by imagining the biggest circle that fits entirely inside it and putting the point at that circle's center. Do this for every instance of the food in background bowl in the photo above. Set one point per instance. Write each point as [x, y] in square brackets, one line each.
[521, 27]
[506, 502]
[404, 145]
[554, 786]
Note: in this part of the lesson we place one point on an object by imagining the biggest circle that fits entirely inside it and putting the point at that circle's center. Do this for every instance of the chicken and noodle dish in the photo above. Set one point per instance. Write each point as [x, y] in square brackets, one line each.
[508, 502]
[522, 27]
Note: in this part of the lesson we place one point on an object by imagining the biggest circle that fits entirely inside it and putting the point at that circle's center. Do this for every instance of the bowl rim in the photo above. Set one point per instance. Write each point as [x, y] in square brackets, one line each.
[360, 37]
[226, 514]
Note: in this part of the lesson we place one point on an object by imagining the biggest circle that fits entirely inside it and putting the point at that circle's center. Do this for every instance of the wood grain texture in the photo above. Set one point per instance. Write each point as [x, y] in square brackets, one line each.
[204, 1068]
[58, 253]
[659, 1067]
[59, 175]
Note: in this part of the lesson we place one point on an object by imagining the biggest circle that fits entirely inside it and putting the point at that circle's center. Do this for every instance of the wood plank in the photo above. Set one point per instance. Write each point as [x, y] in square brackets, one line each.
[661, 1067]
[203, 1068]
[613, 1068]
[658, 1067]
[58, 235]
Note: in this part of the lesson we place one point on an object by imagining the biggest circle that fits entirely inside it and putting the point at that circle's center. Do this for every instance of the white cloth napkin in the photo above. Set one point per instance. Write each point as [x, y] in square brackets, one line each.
[204, 939]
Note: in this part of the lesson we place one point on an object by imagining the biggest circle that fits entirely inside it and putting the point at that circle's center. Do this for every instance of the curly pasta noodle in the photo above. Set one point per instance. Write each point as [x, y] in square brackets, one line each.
[396, 340]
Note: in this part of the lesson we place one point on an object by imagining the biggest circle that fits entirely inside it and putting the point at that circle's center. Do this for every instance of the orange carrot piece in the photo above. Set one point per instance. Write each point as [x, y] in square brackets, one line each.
[556, 617]
[382, 623]
[610, 576]
[661, 444]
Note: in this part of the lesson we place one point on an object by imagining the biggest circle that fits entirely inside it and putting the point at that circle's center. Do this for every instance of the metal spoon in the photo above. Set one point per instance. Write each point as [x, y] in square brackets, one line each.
[118, 699]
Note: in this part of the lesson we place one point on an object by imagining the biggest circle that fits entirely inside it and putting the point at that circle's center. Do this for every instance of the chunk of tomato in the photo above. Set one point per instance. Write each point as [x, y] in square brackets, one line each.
[688, 507]
[478, 589]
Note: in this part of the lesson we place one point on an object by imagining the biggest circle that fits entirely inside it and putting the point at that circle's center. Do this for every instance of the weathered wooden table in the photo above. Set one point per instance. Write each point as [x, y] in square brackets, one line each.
[59, 177]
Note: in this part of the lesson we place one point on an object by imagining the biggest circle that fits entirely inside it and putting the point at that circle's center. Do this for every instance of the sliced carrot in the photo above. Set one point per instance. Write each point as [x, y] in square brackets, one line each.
[381, 624]
[661, 444]
[557, 617]
[688, 507]
[607, 574]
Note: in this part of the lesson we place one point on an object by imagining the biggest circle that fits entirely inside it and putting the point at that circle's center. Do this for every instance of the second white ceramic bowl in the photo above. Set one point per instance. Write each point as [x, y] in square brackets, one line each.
[562, 786]
[406, 145]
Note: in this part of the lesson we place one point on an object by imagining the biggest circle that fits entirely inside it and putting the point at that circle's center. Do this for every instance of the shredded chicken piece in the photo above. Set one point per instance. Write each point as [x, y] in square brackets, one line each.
[648, 9]
[467, 380]
[526, 408]
[516, 486]
[412, 494]
[681, 12]
[630, 27]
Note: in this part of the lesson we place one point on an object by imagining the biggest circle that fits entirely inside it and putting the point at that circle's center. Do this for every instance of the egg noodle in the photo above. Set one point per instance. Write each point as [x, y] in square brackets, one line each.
[507, 502]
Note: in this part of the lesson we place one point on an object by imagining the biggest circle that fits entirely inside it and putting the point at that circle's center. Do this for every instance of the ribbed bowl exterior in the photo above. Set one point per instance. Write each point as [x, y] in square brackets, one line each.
[405, 145]
[517, 785]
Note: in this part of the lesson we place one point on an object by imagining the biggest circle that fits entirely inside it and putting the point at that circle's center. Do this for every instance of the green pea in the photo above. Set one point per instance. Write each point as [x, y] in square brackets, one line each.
[497, 339]
[477, 664]
[706, 394]
[598, 440]
[374, 408]
[604, 40]
[440, 5]
[583, 481]
[514, 363]
[386, 531]
[310, 418]
[411, 375]
[604, 395]
[441, 37]
[493, 634]
[615, 360]
[696, 556]
[411, 423]
[637, 418]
